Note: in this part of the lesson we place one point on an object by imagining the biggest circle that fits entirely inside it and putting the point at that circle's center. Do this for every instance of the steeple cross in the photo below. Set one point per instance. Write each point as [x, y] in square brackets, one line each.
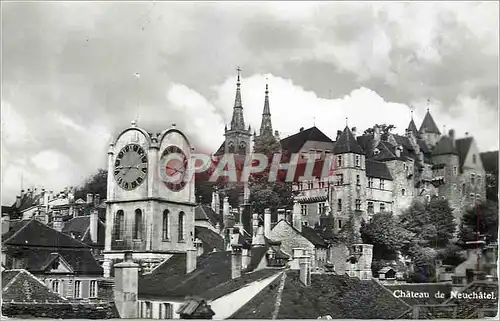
[238, 69]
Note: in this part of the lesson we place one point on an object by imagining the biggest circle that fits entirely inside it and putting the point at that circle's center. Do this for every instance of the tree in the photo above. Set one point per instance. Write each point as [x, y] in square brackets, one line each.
[265, 194]
[386, 235]
[433, 223]
[95, 184]
[384, 129]
[482, 218]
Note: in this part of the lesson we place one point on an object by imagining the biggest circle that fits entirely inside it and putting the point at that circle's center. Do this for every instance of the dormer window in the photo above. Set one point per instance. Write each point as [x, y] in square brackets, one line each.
[376, 151]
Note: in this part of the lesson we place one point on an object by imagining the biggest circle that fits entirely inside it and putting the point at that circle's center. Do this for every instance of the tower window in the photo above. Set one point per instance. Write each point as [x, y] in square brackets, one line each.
[181, 226]
[358, 161]
[340, 179]
[382, 207]
[370, 182]
[310, 185]
[358, 205]
[119, 225]
[339, 205]
[455, 171]
[403, 192]
[166, 227]
[472, 180]
[358, 180]
[321, 208]
[382, 184]
[339, 161]
[138, 225]
[370, 207]
[340, 224]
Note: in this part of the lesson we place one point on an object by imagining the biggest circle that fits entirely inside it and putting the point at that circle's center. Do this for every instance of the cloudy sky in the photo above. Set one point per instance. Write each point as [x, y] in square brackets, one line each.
[69, 85]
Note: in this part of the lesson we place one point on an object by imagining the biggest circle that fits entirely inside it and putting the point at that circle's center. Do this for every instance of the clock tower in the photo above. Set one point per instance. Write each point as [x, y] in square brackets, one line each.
[151, 200]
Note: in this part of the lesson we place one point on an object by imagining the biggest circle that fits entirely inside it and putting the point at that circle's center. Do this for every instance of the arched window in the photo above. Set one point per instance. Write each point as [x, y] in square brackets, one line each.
[119, 225]
[231, 148]
[138, 225]
[243, 148]
[181, 226]
[166, 228]
[403, 192]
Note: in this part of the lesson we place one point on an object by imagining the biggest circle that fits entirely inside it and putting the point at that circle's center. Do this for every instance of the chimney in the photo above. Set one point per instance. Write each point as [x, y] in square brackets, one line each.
[339, 132]
[305, 270]
[57, 223]
[191, 255]
[255, 224]
[89, 198]
[126, 287]
[281, 214]
[5, 223]
[259, 239]
[451, 134]
[94, 221]
[354, 131]
[22, 193]
[277, 135]
[198, 244]
[214, 201]
[297, 254]
[236, 261]
[301, 129]
[267, 222]
[297, 216]
[245, 258]
[398, 151]
[97, 200]
[18, 201]
[225, 207]
[376, 136]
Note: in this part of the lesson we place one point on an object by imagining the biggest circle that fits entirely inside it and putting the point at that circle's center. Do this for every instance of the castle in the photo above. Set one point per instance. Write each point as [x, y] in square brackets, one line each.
[375, 172]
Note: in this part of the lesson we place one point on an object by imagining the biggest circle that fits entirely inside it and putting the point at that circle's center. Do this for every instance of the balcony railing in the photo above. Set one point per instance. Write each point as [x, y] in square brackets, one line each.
[128, 245]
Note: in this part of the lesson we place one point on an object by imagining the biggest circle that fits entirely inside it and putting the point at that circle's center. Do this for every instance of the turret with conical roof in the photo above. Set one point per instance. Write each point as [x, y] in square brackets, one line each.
[429, 130]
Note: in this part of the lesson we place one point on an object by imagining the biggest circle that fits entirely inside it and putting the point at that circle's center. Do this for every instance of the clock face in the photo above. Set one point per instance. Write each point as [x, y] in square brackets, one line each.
[131, 167]
[174, 168]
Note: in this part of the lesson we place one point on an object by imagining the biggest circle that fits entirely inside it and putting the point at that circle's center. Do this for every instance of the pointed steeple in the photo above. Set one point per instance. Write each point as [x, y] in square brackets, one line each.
[411, 126]
[429, 125]
[238, 122]
[266, 126]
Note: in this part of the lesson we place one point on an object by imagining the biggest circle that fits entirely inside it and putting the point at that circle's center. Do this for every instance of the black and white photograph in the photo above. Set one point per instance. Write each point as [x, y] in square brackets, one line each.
[249, 160]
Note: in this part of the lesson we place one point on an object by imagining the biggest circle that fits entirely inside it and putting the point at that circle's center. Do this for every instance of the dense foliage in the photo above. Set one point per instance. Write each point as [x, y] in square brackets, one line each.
[384, 129]
[482, 218]
[421, 233]
[97, 183]
[265, 194]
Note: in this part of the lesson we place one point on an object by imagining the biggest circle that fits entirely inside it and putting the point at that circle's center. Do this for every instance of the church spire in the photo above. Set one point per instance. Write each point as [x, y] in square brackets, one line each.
[238, 122]
[266, 126]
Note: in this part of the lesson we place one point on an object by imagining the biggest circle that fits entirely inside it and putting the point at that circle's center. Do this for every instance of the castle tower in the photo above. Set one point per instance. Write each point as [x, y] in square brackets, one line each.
[150, 201]
[446, 170]
[237, 137]
[348, 197]
[429, 130]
